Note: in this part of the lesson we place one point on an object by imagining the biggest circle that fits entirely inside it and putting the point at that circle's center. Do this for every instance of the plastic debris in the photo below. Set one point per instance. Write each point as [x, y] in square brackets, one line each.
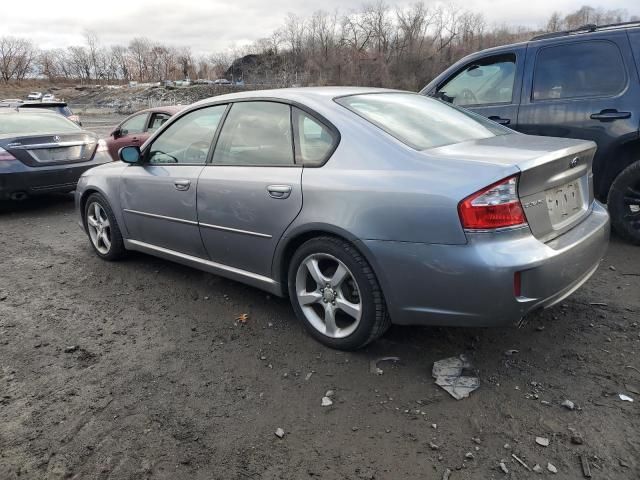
[243, 318]
[552, 468]
[279, 433]
[625, 398]
[373, 364]
[517, 459]
[586, 470]
[542, 441]
[449, 375]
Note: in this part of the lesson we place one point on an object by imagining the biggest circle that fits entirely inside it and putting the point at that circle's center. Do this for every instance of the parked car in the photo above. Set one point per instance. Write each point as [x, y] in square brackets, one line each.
[580, 84]
[414, 212]
[58, 107]
[11, 101]
[42, 152]
[48, 97]
[221, 81]
[135, 129]
[34, 96]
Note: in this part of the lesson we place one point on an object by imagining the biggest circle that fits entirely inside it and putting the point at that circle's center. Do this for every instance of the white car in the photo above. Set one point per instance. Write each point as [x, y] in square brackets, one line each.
[49, 97]
[34, 96]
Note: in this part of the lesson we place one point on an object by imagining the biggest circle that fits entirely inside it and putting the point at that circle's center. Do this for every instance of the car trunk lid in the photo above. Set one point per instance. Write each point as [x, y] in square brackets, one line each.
[555, 185]
[45, 150]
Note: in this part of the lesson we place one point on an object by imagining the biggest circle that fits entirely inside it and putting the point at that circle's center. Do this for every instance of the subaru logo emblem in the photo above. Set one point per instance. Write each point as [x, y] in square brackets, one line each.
[56, 138]
[574, 162]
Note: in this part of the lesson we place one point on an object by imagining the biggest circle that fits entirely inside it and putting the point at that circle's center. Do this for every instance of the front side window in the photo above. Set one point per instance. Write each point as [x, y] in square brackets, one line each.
[256, 133]
[421, 122]
[485, 82]
[314, 140]
[134, 125]
[584, 69]
[189, 139]
[157, 120]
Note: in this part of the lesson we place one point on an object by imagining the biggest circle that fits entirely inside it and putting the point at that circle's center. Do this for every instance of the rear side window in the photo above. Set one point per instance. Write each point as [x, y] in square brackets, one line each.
[634, 36]
[157, 120]
[256, 133]
[314, 140]
[575, 70]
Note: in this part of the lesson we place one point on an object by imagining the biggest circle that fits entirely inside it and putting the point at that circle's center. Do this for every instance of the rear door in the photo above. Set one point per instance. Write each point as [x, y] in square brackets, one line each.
[129, 133]
[488, 85]
[158, 196]
[251, 191]
[583, 88]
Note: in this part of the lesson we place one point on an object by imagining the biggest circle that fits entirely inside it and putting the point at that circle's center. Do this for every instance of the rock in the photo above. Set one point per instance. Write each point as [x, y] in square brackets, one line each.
[507, 446]
[469, 456]
[279, 433]
[446, 474]
[326, 402]
[330, 393]
[476, 440]
[434, 426]
[611, 267]
[568, 404]
[552, 468]
[577, 439]
[433, 446]
[542, 441]
[503, 467]
[71, 349]
[537, 468]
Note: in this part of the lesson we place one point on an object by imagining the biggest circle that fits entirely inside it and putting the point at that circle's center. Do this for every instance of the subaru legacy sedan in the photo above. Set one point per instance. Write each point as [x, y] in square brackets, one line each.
[364, 206]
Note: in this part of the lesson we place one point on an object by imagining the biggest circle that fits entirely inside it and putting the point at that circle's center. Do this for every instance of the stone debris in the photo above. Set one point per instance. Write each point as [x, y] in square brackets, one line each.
[433, 446]
[625, 398]
[552, 468]
[279, 433]
[568, 404]
[503, 467]
[542, 441]
[469, 456]
[586, 470]
[577, 439]
[71, 349]
[326, 402]
[446, 474]
[449, 375]
[537, 468]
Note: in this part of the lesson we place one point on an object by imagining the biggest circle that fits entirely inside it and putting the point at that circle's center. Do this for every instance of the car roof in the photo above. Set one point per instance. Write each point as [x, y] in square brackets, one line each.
[298, 94]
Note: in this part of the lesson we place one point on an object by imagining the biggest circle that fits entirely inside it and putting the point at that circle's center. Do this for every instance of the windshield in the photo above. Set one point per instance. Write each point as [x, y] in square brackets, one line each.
[34, 124]
[421, 122]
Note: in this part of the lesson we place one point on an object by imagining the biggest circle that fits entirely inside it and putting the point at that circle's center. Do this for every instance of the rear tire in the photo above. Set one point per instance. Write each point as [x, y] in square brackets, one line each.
[624, 203]
[335, 294]
[102, 228]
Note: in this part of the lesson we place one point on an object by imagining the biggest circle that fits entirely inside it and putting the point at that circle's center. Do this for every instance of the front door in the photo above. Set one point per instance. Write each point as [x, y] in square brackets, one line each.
[252, 190]
[582, 89]
[489, 86]
[159, 195]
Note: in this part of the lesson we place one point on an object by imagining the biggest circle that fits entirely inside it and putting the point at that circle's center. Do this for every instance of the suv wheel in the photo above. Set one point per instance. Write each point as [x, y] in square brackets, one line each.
[624, 203]
[102, 228]
[336, 295]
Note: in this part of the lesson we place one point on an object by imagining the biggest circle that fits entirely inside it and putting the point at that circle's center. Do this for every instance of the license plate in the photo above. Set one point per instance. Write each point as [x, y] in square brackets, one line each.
[564, 202]
[60, 154]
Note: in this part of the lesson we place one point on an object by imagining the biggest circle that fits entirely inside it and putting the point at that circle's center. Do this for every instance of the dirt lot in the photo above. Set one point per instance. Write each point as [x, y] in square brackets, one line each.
[138, 369]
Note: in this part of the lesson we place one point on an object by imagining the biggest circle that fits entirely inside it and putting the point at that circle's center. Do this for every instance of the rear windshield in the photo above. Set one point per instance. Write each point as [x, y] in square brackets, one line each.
[61, 109]
[34, 124]
[421, 122]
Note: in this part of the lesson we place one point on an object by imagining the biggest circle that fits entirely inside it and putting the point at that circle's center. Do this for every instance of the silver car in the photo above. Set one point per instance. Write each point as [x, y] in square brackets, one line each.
[364, 206]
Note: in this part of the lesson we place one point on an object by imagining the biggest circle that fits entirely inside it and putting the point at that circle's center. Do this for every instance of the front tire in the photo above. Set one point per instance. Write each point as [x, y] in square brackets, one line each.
[336, 295]
[624, 203]
[102, 228]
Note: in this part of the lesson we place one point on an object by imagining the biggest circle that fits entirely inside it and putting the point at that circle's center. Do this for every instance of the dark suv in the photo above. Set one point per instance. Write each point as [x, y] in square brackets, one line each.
[582, 83]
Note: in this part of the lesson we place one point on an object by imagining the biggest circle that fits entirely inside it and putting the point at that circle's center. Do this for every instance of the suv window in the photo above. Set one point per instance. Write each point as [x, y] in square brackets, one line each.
[157, 120]
[134, 125]
[584, 69]
[484, 82]
[188, 139]
[634, 37]
[314, 140]
[256, 133]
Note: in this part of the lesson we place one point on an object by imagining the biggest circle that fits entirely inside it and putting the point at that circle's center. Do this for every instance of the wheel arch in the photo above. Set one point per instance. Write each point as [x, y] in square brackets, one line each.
[292, 240]
[621, 156]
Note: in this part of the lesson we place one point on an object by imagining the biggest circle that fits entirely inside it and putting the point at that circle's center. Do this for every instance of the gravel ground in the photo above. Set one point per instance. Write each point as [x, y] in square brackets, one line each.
[139, 369]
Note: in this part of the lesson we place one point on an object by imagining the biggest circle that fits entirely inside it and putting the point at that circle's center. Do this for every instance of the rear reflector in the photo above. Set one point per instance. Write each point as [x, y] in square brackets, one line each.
[496, 206]
[517, 284]
[4, 155]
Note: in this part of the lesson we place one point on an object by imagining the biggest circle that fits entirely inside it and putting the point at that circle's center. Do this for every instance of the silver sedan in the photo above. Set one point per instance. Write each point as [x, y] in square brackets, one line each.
[364, 206]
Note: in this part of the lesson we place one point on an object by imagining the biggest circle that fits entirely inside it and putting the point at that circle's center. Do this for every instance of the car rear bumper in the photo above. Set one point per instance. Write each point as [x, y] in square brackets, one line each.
[473, 284]
[18, 178]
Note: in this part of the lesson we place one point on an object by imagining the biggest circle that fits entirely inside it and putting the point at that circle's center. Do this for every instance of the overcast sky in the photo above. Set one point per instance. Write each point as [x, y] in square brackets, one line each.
[215, 25]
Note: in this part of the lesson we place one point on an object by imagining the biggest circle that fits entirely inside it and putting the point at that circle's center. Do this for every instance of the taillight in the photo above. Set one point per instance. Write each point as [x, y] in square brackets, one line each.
[496, 206]
[4, 155]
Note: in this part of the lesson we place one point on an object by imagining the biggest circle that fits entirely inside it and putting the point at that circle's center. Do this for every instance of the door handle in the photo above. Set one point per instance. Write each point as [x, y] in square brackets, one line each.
[182, 185]
[279, 191]
[610, 114]
[501, 121]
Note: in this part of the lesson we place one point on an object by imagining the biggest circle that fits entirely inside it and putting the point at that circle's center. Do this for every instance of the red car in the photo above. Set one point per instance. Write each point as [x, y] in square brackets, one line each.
[134, 130]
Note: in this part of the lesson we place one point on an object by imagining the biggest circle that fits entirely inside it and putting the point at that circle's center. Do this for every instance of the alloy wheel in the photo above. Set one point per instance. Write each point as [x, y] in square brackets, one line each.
[632, 202]
[99, 228]
[328, 295]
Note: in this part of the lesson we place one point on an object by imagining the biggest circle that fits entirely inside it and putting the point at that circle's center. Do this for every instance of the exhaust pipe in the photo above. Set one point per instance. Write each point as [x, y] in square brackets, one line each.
[19, 196]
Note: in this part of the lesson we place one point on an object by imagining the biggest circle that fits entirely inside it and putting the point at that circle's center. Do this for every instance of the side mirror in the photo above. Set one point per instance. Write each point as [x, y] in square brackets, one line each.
[130, 154]
[117, 133]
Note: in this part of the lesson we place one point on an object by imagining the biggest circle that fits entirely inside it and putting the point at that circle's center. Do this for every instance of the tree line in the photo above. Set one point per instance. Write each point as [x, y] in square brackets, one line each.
[374, 45]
